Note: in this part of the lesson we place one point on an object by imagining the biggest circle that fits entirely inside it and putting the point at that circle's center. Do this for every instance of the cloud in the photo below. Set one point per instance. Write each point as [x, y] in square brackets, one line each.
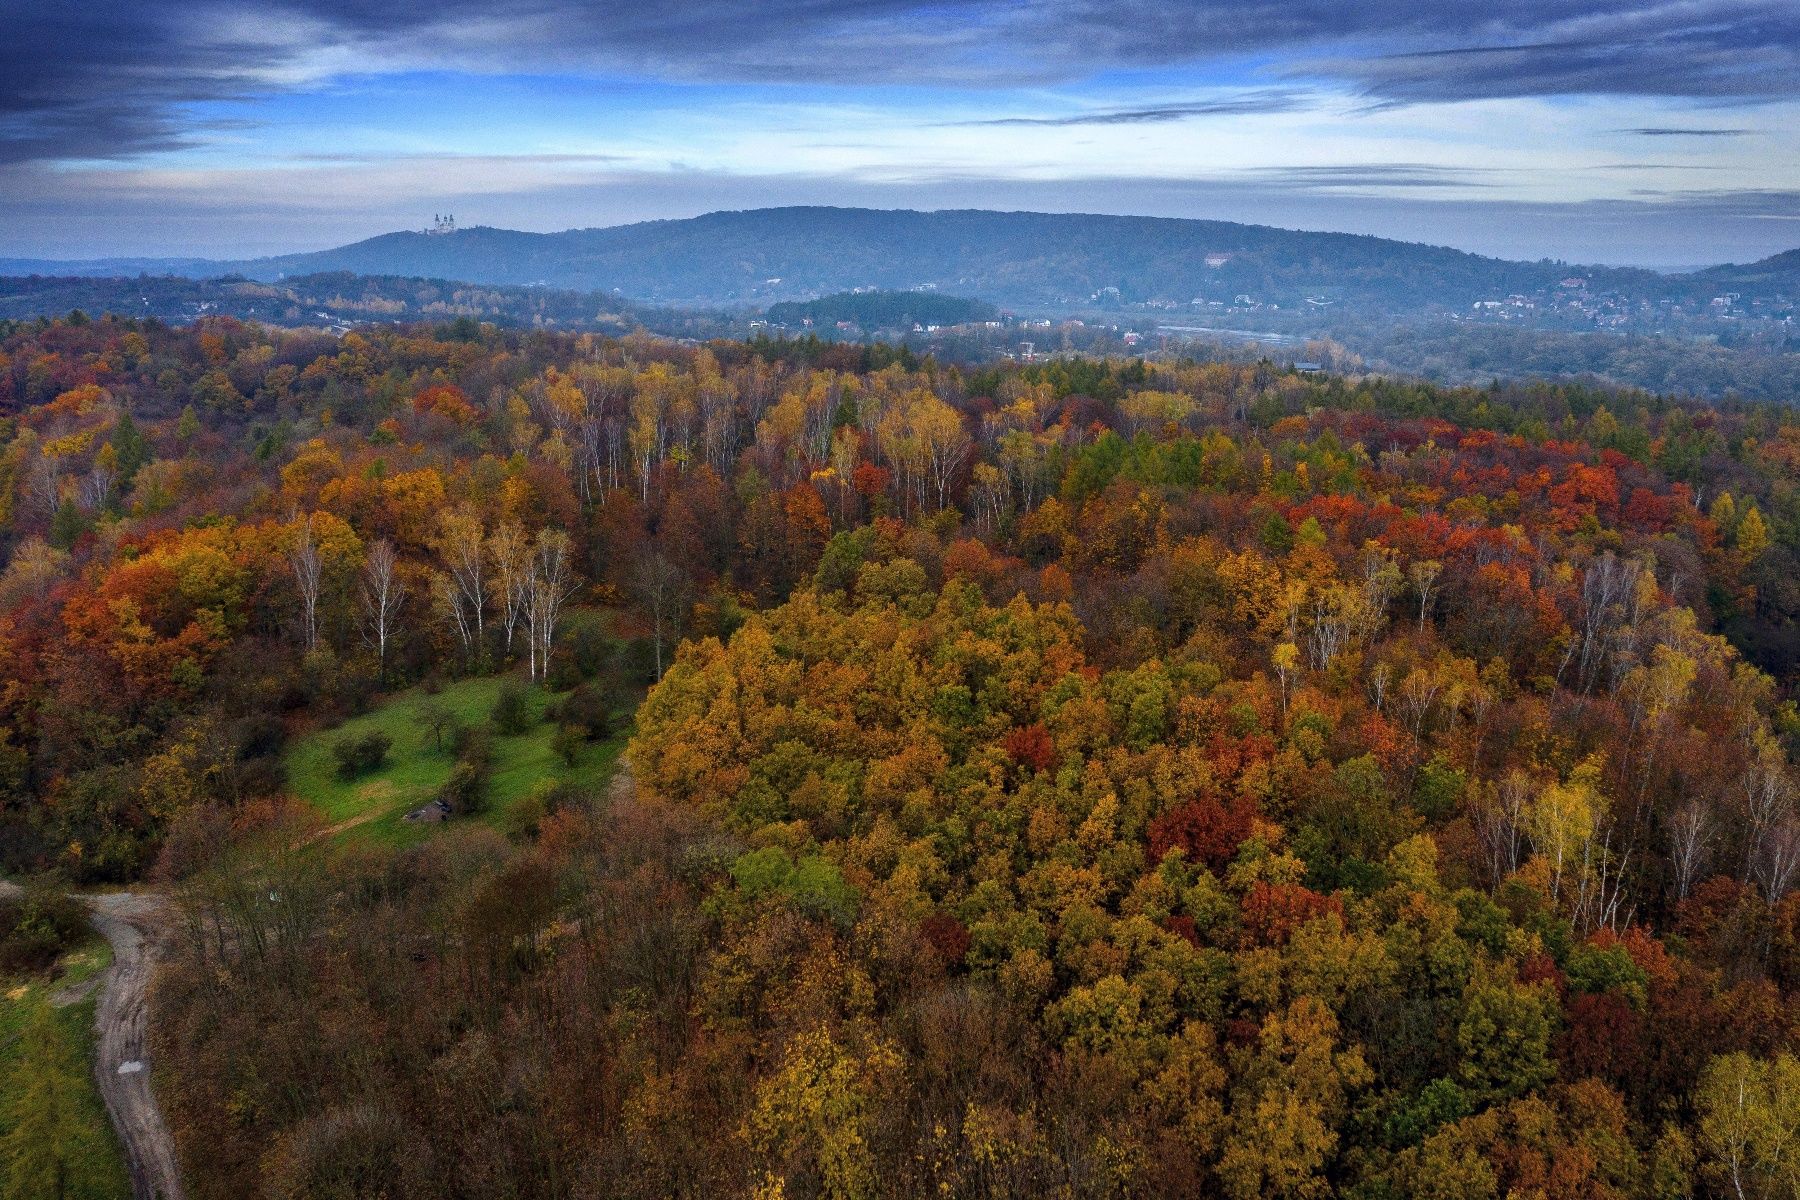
[500, 160]
[1659, 131]
[1374, 176]
[1287, 100]
[118, 78]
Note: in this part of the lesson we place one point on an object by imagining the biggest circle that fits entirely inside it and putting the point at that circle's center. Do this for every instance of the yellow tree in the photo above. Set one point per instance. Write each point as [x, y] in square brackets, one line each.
[1286, 1108]
[815, 1113]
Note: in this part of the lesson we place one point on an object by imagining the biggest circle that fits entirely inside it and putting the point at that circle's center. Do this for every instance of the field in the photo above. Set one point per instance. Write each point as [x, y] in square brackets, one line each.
[372, 807]
[97, 1169]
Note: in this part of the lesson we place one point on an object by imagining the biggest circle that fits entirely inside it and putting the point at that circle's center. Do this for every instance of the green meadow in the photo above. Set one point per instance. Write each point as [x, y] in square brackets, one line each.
[372, 807]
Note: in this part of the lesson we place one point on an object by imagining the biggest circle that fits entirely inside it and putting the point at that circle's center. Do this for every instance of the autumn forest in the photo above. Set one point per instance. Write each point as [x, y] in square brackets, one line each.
[586, 767]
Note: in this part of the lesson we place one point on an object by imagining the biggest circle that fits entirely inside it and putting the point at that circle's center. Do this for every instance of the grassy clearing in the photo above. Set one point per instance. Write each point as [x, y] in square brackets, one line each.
[97, 1167]
[416, 767]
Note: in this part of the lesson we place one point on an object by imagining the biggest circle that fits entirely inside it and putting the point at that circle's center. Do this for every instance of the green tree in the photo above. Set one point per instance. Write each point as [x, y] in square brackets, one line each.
[43, 1137]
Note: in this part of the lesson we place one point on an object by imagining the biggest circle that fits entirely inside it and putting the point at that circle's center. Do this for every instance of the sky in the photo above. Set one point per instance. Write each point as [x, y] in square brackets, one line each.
[1658, 134]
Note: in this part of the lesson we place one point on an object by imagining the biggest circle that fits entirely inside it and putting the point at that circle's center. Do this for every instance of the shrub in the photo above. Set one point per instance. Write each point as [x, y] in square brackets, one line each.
[583, 649]
[466, 789]
[512, 710]
[525, 818]
[360, 755]
[36, 926]
[566, 743]
[586, 709]
[467, 740]
[259, 735]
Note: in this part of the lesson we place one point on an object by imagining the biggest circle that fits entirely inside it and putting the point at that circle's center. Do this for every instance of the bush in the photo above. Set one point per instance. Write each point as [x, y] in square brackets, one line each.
[583, 649]
[526, 817]
[36, 926]
[587, 710]
[566, 743]
[259, 735]
[466, 789]
[359, 756]
[470, 741]
[512, 710]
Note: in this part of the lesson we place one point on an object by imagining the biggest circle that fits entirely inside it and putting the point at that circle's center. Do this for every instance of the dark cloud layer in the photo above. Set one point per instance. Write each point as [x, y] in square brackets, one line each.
[114, 78]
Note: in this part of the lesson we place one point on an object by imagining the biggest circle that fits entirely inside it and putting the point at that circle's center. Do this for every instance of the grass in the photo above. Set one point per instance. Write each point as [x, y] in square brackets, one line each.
[416, 768]
[98, 1166]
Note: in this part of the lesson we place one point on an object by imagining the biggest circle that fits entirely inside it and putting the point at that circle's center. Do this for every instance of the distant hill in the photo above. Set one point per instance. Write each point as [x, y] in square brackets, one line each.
[768, 255]
[883, 310]
[764, 256]
[1779, 271]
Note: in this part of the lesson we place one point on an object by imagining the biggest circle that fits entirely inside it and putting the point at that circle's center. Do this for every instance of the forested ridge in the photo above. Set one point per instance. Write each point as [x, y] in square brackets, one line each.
[1087, 778]
[799, 252]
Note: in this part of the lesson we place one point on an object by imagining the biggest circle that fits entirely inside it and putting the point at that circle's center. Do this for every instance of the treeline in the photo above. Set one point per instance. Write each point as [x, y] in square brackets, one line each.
[341, 297]
[1087, 778]
[883, 310]
[1760, 368]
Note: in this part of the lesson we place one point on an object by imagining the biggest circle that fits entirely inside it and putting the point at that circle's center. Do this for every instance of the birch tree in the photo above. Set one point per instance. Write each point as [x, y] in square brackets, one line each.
[550, 583]
[509, 557]
[459, 544]
[383, 592]
[308, 568]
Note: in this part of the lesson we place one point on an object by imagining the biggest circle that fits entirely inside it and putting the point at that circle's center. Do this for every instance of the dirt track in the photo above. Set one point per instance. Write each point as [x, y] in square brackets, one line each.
[122, 1054]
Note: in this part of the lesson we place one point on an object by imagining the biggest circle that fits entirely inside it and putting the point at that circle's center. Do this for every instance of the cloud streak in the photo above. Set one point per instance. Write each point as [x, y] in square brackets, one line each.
[1664, 131]
[1288, 100]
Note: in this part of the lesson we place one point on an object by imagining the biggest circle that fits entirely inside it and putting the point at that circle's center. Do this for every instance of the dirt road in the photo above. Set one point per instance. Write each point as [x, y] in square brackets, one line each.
[128, 920]
[122, 1052]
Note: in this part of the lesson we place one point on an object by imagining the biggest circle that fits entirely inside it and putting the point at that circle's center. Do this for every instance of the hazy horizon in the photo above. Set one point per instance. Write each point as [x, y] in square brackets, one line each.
[1587, 130]
[1666, 264]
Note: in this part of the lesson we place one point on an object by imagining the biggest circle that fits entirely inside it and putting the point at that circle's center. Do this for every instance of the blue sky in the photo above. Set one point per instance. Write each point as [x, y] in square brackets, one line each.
[1665, 134]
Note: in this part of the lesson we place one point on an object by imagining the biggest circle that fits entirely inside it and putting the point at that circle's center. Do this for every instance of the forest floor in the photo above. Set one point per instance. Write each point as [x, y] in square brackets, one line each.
[373, 807]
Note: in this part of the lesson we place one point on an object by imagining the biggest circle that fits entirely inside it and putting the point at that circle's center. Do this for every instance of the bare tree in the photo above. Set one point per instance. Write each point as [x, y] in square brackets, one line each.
[510, 565]
[1778, 859]
[448, 598]
[658, 585]
[1424, 576]
[1691, 835]
[1380, 675]
[1499, 819]
[309, 572]
[1608, 612]
[1768, 797]
[551, 582]
[383, 592]
[459, 544]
